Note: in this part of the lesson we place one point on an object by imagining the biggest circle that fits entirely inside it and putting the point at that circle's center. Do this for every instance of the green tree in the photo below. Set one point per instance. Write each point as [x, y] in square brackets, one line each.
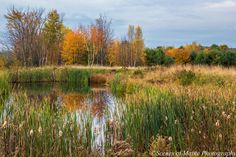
[154, 56]
[53, 37]
[157, 57]
[201, 58]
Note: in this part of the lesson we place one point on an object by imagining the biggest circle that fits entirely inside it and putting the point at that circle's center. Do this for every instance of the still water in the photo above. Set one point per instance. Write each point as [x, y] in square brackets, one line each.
[96, 101]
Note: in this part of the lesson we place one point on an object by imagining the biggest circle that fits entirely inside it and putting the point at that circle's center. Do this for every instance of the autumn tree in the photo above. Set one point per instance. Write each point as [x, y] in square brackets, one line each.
[94, 38]
[25, 35]
[131, 39]
[114, 49]
[104, 35]
[139, 56]
[53, 37]
[181, 55]
[74, 48]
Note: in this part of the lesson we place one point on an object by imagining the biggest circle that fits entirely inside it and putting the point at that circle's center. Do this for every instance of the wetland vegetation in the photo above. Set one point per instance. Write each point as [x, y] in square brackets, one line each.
[59, 112]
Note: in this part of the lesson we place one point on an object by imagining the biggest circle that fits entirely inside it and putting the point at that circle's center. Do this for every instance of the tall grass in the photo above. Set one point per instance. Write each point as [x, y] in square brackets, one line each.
[28, 130]
[48, 74]
[4, 86]
[189, 123]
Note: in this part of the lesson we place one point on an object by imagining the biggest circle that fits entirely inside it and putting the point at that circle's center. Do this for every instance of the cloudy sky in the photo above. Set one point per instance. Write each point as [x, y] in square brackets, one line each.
[164, 22]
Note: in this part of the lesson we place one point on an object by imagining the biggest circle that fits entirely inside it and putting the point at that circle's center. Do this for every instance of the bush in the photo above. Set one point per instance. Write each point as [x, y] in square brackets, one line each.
[214, 57]
[168, 61]
[186, 77]
[228, 59]
[157, 57]
[201, 58]
[154, 56]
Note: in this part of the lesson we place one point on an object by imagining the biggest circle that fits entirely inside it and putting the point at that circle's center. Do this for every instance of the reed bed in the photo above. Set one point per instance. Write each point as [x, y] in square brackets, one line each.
[191, 124]
[42, 130]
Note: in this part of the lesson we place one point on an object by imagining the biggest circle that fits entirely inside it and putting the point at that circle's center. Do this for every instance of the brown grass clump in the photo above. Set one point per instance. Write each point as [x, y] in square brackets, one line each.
[160, 144]
[98, 79]
[121, 148]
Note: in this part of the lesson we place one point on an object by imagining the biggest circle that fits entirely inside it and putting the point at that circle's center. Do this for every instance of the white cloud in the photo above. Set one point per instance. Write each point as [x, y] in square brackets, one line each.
[225, 4]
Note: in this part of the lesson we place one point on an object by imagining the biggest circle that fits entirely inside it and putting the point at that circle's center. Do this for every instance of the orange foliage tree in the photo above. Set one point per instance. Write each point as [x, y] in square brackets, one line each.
[74, 47]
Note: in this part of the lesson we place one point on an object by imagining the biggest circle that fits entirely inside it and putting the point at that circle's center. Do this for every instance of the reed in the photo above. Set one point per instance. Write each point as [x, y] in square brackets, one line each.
[189, 122]
[42, 130]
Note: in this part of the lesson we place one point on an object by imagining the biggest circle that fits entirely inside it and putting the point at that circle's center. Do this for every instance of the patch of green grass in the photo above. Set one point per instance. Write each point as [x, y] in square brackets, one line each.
[4, 86]
[209, 79]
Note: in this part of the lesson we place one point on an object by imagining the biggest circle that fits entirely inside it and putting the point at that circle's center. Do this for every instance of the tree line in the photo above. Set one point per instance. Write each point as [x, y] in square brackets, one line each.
[192, 54]
[37, 39]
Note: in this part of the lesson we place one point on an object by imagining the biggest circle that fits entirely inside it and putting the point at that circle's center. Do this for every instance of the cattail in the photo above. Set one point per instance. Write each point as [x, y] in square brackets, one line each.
[220, 136]
[204, 136]
[21, 125]
[110, 122]
[217, 123]
[224, 114]
[31, 132]
[40, 130]
[166, 118]
[60, 133]
[64, 125]
[176, 121]
[4, 124]
[204, 107]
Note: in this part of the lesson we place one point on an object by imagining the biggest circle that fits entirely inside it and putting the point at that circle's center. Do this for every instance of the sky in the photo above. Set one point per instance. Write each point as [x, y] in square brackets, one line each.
[164, 22]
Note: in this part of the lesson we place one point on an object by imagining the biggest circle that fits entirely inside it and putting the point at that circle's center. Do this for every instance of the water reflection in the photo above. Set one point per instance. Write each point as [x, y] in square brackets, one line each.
[97, 101]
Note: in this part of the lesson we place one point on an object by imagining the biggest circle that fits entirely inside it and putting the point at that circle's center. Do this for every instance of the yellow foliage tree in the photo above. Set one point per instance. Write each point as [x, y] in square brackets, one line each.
[181, 55]
[74, 47]
[194, 47]
[114, 52]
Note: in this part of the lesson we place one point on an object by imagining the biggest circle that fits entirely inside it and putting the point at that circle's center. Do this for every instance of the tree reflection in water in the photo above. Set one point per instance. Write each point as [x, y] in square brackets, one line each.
[97, 103]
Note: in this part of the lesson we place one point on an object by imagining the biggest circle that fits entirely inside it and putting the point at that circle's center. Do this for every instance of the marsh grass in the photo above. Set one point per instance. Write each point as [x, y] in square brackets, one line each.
[160, 115]
[4, 85]
[191, 121]
[194, 110]
[28, 130]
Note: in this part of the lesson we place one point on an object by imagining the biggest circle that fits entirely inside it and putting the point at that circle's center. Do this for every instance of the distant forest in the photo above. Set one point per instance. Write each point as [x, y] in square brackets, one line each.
[36, 38]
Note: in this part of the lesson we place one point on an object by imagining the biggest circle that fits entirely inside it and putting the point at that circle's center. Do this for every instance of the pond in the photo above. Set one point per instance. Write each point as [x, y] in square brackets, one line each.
[96, 102]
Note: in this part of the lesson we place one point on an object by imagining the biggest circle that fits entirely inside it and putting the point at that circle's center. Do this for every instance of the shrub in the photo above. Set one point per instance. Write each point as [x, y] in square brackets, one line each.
[168, 61]
[201, 58]
[228, 59]
[186, 77]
